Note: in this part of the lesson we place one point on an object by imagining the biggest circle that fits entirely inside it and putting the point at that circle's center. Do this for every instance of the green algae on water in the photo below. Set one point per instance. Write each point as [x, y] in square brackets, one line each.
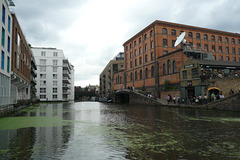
[10, 123]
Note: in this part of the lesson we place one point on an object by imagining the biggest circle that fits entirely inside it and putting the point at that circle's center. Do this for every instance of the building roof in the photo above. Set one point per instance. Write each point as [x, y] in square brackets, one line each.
[182, 26]
[217, 63]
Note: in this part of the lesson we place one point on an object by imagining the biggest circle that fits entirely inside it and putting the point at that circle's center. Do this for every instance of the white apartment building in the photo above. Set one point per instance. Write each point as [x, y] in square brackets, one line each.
[5, 53]
[55, 75]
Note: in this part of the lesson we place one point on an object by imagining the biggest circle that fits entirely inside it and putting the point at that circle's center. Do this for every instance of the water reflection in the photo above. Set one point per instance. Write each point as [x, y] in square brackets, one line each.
[92, 130]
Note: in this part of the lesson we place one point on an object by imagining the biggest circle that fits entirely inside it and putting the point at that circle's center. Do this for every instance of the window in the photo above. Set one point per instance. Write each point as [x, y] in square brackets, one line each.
[136, 75]
[168, 67]
[213, 48]
[54, 90]
[3, 14]
[152, 56]
[54, 83]
[8, 45]
[213, 38]
[220, 49]
[55, 69]
[42, 96]
[8, 64]
[163, 69]
[140, 74]
[205, 37]
[55, 54]
[190, 35]
[131, 46]
[152, 71]
[173, 32]
[2, 60]
[233, 41]
[205, 47]
[139, 40]
[173, 42]
[3, 37]
[146, 73]
[234, 59]
[145, 36]
[135, 43]
[126, 48]
[198, 36]
[54, 96]
[135, 62]
[174, 66]
[198, 46]
[220, 58]
[42, 69]
[194, 72]
[55, 62]
[131, 64]
[43, 61]
[152, 44]
[227, 58]
[226, 50]
[146, 58]
[9, 24]
[184, 74]
[135, 52]
[165, 43]
[151, 33]
[181, 32]
[43, 53]
[226, 40]
[42, 76]
[239, 42]
[165, 52]
[131, 76]
[54, 76]
[42, 83]
[219, 39]
[130, 54]
[233, 50]
[164, 31]
[140, 50]
[140, 60]
[42, 90]
[145, 47]
[121, 66]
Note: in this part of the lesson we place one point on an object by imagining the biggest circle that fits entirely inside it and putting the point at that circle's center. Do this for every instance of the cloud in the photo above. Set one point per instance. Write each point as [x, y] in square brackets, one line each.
[92, 32]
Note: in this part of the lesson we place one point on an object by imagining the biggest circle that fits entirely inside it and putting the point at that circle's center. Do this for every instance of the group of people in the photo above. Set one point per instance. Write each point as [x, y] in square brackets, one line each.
[175, 100]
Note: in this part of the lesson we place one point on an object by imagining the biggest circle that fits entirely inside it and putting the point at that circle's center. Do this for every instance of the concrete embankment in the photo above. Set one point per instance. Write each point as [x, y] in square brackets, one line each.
[5, 110]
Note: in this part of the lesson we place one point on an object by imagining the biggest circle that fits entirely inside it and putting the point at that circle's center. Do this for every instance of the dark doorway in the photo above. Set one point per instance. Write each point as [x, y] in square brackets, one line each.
[190, 93]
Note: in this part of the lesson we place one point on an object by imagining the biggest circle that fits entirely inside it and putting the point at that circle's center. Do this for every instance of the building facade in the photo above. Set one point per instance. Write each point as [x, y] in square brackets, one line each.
[107, 75]
[5, 53]
[151, 60]
[55, 75]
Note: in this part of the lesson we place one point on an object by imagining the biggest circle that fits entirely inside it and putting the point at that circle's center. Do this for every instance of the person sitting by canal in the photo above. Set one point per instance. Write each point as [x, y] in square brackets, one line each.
[168, 98]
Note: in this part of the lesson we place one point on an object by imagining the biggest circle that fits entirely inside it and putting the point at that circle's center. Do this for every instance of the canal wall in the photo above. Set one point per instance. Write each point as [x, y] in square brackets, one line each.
[8, 109]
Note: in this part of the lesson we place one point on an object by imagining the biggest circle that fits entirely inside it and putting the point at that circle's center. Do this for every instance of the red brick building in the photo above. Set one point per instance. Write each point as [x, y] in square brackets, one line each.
[151, 60]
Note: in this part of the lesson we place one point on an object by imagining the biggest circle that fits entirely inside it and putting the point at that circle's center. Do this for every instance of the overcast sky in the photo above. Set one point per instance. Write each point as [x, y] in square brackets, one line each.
[92, 32]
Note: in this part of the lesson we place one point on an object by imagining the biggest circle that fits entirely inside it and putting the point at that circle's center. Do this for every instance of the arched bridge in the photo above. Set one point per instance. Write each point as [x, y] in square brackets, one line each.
[132, 97]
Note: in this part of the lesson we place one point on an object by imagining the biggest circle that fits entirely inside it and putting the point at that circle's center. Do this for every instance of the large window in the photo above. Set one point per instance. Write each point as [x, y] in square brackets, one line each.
[213, 38]
[152, 71]
[43, 53]
[2, 60]
[165, 44]
[220, 49]
[168, 67]
[9, 24]
[131, 76]
[194, 72]
[226, 40]
[42, 90]
[136, 77]
[42, 76]
[233, 41]
[140, 74]
[55, 62]
[219, 39]
[8, 45]
[146, 73]
[226, 50]
[190, 35]
[205, 47]
[152, 56]
[164, 31]
[43, 61]
[3, 14]
[174, 66]
[55, 54]
[54, 90]
[198, 36]
[8, 64]
[3, 37]
[164, 69]
[173, 32]
[184, 74]
[205, 37]
[233, 50]
[146, 58]
[54, 76]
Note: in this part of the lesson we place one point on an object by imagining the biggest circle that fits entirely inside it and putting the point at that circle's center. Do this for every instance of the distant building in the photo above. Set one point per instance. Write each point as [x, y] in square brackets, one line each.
[55, 75]
[107, 75]
[5, 53]
[152, 62]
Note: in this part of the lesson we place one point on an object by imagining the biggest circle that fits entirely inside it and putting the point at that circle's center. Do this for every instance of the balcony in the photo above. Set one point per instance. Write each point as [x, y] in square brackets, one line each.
[66, 86]
[66, 80]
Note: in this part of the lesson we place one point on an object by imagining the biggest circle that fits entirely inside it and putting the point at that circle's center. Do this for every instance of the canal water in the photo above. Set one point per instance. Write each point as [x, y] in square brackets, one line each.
[100, 131]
